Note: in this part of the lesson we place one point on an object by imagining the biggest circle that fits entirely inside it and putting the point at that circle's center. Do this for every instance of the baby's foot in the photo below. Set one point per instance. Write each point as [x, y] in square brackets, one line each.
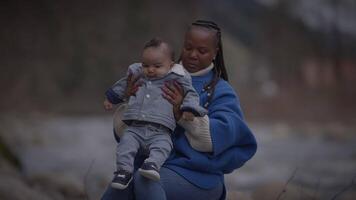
[121, 179]
[149, 170]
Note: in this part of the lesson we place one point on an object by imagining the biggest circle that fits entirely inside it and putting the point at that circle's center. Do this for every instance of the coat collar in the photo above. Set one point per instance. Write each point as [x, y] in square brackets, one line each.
[178, 69]
[203, 71]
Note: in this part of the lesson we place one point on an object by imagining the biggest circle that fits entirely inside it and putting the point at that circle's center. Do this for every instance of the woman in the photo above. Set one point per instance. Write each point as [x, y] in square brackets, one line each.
[209, 147]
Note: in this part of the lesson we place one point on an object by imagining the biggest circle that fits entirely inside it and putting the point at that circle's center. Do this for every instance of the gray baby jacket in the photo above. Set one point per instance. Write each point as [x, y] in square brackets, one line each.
[148, 104]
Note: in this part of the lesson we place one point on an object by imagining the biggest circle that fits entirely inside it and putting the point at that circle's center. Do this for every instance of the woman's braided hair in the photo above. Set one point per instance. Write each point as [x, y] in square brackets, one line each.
[219, 65]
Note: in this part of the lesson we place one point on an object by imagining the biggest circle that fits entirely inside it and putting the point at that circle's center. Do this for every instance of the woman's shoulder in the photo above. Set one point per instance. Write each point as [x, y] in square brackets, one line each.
[226, 96]
[224, 88]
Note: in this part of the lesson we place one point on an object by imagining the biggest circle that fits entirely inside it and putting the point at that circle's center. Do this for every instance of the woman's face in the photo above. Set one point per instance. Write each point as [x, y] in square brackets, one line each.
[199, 49]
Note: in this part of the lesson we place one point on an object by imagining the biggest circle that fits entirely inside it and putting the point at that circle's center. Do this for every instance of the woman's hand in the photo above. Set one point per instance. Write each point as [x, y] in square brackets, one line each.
[173, 92]
[132, 85]
[188, 116]
[107, 105]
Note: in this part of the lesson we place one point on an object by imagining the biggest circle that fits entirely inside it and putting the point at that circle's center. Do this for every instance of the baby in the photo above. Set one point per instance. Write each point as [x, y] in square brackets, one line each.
[149, 115]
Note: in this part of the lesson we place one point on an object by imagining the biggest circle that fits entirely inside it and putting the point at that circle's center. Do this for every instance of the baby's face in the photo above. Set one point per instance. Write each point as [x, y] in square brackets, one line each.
[156, 62]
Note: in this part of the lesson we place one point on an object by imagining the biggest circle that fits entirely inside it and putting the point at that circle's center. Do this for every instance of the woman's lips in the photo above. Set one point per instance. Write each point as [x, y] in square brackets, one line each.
[191, 64]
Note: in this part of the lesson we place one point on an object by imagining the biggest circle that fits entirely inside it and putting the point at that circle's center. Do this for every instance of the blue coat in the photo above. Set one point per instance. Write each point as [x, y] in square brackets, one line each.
[233, 142]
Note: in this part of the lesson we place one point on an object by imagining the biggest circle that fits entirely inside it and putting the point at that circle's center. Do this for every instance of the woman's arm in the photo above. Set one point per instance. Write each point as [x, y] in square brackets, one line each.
[196, 131]
[227, 126]
[119, 125]
[223, 128]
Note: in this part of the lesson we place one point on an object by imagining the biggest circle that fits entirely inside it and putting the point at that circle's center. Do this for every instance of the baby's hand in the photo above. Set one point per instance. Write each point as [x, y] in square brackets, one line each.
[188, 116]
[107, 105]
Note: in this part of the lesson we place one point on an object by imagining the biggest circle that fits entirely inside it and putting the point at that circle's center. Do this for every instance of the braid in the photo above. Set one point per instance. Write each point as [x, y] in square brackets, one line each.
[219, 65]
[219, 59]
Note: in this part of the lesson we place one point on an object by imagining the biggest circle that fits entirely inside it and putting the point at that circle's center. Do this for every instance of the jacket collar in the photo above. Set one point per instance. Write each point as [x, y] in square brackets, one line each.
[178, 69]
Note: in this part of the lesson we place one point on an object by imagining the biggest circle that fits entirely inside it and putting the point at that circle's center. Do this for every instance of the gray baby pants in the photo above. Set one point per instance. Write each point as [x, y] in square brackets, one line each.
[153, 138]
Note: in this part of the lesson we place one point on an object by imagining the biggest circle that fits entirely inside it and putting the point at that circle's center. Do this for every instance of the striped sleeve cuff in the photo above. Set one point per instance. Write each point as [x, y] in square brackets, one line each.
[198, 133]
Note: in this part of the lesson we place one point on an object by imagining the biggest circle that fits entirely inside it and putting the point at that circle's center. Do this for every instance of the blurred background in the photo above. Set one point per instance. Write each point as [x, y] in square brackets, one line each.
[293, 64]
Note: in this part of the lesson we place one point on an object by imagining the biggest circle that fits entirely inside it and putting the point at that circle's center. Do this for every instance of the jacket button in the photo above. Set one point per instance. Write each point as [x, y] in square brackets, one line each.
[147, 95]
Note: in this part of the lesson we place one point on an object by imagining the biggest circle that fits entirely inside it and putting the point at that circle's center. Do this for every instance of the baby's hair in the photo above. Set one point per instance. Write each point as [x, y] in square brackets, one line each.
[219, 65]
[157, 42]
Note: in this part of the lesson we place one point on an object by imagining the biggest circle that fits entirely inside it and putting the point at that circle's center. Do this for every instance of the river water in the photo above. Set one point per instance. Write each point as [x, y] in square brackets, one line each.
[82, 148]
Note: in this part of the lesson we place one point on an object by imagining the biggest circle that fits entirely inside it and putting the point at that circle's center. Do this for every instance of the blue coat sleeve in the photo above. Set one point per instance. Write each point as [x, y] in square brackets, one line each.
[228, 130]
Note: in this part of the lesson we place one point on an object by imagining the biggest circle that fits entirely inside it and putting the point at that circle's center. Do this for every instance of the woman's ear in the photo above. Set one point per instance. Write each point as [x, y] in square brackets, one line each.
[215, 53]
[214, 57]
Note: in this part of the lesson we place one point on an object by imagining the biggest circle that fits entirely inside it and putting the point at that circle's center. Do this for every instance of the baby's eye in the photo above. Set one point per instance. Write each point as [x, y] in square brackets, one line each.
[158, 66]
[203, 51]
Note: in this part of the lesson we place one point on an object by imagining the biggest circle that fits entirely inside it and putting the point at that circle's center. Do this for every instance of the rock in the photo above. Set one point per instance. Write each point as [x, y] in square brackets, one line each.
[271, 191]
[237, 195]
[7, 154]
[59, 186]
[8, 169]
[13, 188]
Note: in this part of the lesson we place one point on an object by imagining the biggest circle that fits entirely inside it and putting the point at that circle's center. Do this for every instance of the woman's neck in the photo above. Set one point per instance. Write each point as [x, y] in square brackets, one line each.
[203, 71]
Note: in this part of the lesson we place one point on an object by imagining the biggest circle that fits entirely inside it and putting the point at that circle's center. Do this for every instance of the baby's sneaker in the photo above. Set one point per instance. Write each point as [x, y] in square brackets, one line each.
[149, 170]
[121, 179]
